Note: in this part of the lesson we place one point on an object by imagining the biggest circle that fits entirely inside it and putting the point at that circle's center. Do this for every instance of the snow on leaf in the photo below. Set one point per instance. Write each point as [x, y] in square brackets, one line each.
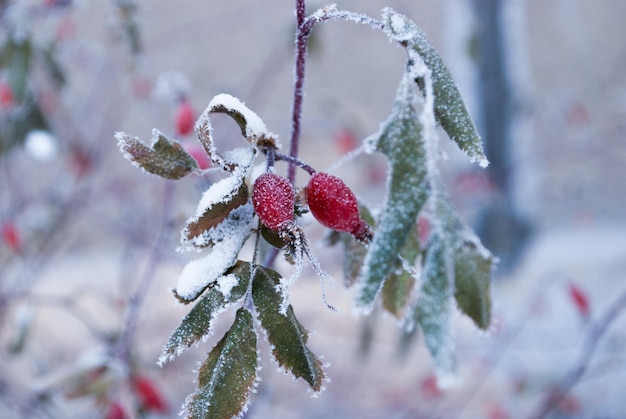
[432, 309]
[199, 322]
[228, 376]
[450, 109]
[164, 157]
[286, 335]
[401, 140]
[228, 237]
[215, 207]
[252, 128]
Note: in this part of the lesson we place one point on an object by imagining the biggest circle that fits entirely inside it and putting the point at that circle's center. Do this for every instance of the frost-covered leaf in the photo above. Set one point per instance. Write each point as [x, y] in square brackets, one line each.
[432, 310]
[472, 279]
[402, 140]
[286, 335]
[229, 236]
[198, 323]
[472, 262]
[227, 377]
[397, 288]
[215, 207]
[450, 109]
[164, 157]
[252, 128]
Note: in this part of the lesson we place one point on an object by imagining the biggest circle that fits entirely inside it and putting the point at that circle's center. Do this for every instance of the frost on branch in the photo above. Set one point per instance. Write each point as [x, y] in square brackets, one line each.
[164, 157]
[198, 323]
[450, 108]
[402, 140]
[285, 334]
[229, 374]
[198, 274]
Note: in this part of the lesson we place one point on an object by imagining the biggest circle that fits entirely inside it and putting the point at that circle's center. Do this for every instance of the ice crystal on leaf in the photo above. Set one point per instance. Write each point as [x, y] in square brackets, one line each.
[450, 108]
[419, 281]
[198, 274]
[198, 323]
[229, 374]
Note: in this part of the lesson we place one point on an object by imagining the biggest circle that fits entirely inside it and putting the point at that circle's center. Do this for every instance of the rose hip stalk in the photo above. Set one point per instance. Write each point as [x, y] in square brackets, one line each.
[335, 206]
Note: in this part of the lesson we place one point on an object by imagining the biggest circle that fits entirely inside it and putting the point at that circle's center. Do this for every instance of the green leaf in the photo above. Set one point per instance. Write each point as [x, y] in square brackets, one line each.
[199, 322]
[472, 279]
[402, 141]
[16, 58]
[397, 288]
[450, 109]
[165, 158]
[215, 213]
[227, 377]
[472, 262]
[286, 335]
[432, 310]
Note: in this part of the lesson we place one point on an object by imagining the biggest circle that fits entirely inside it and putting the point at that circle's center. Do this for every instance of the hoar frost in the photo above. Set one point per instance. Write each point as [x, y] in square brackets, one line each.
[232, 232]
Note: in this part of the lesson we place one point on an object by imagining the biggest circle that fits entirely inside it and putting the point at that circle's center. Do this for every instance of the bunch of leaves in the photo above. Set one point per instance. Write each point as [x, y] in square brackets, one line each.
[418, 281]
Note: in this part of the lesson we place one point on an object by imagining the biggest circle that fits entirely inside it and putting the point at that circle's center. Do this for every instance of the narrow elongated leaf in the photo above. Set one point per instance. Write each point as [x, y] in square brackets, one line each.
[164, 157]
[450, 109]
[433, 308]
[472, 279]
[472, 263]
[397, 288]
[402, 141]
[228, 375]
[286, 335]
[198, 323]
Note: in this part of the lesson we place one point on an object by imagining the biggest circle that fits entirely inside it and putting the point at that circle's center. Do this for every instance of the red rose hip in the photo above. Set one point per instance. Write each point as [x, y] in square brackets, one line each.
[185, 118]
[273, 198]
[335, 206]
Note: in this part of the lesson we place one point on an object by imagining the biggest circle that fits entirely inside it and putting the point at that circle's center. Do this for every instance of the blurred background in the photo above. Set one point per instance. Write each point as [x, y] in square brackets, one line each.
[88, 242]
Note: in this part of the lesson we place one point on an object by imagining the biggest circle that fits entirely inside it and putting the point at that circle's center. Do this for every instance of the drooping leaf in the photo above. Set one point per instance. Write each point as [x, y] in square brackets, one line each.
[450, 109]
[397, 288]
[402, 140]
[432, 310]
[226, 196]
[227, 377]
[472, 279]
[164, 157]
[229, 236]
[472, 262]
[198, 323]
[252, 128]
[284, 332]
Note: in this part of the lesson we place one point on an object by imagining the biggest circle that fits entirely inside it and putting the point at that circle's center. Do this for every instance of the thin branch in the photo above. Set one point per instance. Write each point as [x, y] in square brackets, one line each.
[302, 35]
[123, 350]
[596, 332]
[304, 26]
